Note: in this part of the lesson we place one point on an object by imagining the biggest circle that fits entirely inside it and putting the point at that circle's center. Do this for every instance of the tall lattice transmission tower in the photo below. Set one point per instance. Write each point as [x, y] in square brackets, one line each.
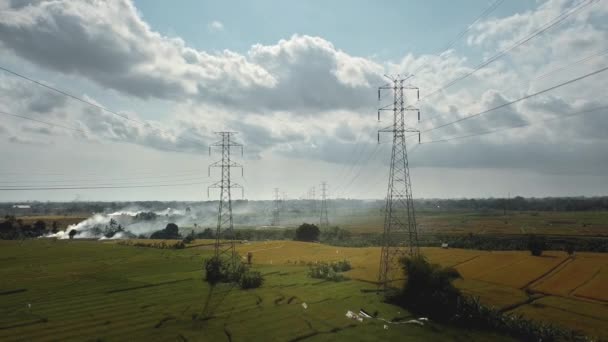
[400, 236]
[313, 200]
[324, 220]
[276, 209]
[225, 226]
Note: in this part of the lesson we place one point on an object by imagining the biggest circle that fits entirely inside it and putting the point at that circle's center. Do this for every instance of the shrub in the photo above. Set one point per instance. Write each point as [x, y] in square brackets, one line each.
[179, 245]
[171, 231]
[219, 270]
[216, 270]
[189, 238]
[251, 279]
[307, 232]
[341, 266]
[329, 271]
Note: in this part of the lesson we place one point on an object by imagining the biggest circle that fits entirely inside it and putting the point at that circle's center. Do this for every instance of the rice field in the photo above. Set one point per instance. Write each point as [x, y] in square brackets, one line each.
[78, 290]
[567, 288]
[585, 223]
[60, 290]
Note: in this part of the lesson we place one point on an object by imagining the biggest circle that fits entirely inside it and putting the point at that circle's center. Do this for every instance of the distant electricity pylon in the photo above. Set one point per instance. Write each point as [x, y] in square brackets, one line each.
[276, 209]
[313, 199]
[324, 220]
[400, 236]
[225, 227]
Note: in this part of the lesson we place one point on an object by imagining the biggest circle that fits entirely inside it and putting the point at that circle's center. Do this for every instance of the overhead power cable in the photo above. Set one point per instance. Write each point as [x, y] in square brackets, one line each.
[518, 100]
[74, 97]
[546, 74]
[64, 182]
[102, 187]
[561, 117]
[461, 34]
[553, 22]
[43, 122]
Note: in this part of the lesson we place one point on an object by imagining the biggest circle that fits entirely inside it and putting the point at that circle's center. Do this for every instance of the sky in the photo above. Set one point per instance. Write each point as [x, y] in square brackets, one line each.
[151, 81]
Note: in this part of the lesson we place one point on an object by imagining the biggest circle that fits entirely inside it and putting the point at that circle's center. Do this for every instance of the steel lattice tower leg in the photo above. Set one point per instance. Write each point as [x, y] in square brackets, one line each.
[225, 226]
[400, 237]
[324, 220]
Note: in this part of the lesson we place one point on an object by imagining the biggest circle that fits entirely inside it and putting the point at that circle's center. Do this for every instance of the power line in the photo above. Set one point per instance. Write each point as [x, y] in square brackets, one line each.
[106, 179]
[461, 34]
[518, 100]
[587, 111]
[546, 74]
[100, 187]
[74, 97]
[553, 22]
[96, 184]
[43, 122]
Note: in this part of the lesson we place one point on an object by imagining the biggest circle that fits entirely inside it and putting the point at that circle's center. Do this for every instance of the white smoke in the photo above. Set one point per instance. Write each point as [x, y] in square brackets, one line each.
[105, 226]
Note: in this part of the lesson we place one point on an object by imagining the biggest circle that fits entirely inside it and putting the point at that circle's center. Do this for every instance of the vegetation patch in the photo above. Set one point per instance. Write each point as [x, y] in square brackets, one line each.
[329, 271]
[429, 291]
[221, 270]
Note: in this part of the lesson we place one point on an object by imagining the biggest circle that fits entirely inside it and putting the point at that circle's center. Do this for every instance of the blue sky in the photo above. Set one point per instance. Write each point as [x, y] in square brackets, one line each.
[381, 29]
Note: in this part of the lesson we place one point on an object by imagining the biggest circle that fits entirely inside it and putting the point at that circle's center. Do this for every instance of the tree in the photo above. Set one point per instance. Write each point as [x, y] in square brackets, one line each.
[171, 231]
[40, 226]
[72, 233]
[569, 248]
[429, 289]
[307, 232]
[206, 234]
[537, 244]
[55, 228]
[189, 238]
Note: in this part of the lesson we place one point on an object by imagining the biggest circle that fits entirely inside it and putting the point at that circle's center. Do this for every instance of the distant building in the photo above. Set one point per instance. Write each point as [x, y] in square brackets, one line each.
[22, 206]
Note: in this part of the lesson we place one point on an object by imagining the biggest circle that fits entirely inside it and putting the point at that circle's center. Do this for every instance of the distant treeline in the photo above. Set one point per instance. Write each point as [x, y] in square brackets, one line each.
[484, 242]
[517, 203]
[12, 228]
[302, 207]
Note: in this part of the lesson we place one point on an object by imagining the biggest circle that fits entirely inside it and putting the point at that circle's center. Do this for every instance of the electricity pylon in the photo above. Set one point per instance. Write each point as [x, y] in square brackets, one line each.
[313, 198]
[276, 209]
[324, 220]
[400, 237]
[225, 227]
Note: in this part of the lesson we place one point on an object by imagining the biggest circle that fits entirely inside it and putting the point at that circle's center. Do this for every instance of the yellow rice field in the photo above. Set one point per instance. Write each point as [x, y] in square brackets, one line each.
[565, 290]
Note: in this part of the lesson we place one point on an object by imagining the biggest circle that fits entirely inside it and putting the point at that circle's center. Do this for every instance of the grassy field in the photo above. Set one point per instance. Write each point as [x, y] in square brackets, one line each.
[513, 281]
[104, 291]
[586, 223]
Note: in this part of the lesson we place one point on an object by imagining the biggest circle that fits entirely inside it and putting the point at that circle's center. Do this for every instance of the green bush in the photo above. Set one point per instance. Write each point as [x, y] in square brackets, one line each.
[341, 266]
[329, 271]
[251, 279]
[219, 270]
